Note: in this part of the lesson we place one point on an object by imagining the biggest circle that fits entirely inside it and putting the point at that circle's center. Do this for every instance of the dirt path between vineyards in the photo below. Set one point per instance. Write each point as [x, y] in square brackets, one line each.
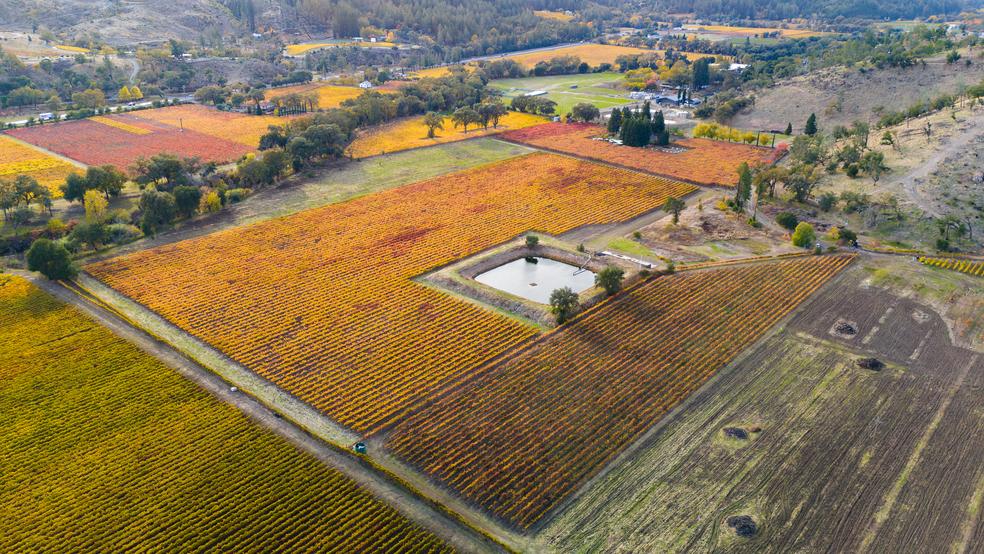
[415, 507]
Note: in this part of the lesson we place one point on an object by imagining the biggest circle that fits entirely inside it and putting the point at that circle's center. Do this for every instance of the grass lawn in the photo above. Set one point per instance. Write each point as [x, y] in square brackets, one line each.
[630, 247]
[559, 89]
[755, 40]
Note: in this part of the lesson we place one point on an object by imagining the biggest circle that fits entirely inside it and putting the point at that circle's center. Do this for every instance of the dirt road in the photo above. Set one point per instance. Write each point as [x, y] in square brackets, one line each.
[409, 503]
[910, 180]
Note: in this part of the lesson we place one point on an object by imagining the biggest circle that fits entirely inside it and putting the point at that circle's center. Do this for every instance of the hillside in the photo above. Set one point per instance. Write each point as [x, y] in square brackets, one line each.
[118, 23]
[793, 100]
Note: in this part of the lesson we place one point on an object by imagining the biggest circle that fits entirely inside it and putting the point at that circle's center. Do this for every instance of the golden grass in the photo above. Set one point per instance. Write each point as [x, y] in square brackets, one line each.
[553, 15]
[593, 54]
[295, 49]
[274, 92]
[73, 49]
[406, 134]
[440, 71]
[791, 33]
[329, 96]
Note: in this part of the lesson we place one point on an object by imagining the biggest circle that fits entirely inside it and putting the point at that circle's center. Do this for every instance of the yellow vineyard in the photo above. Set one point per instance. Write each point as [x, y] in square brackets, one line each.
[226, 125]
[106, 449]
[406, 134]
[592, 54]
[17, 159]
[121, 126]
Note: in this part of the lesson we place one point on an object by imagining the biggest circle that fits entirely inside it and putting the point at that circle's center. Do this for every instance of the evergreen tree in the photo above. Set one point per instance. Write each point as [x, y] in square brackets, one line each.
[701, 73]
[646, 111]
[743, 192]
[615, 122]
[789, 129]
[811, 125]
[659, 124]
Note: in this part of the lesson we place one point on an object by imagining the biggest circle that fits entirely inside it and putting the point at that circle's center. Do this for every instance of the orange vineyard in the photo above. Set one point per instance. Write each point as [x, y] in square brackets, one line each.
[321, 302]
[528, 431]
[704, 162]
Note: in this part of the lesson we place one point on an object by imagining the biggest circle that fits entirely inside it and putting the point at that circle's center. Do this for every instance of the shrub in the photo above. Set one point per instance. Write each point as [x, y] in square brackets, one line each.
[787, 220]
[670, 267]
[118, 216]
[852, 171]
[119, 233]
[827, 201]
[636, 235]
[580, 247]
[238, 195]
[942, 245]
[51, 259]
[532, 241]
[610, 279]
[803, 235]
[846, 236]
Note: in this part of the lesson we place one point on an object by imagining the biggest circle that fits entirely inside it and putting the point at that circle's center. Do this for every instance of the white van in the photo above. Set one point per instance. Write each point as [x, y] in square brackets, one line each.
[46, 116]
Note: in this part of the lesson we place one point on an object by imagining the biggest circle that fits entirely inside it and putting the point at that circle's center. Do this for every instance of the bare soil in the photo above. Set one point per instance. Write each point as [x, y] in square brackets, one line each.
[793, 100]
[851, 460]
[709, 234]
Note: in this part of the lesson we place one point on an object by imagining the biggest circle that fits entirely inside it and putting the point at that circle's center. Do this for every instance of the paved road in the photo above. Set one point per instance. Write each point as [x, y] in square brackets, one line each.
[136, 68]
[64, 116]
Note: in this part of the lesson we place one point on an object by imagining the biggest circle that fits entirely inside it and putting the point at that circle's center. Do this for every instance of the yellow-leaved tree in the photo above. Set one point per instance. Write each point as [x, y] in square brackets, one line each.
[95, 204]
[124, 94]
[135, 93]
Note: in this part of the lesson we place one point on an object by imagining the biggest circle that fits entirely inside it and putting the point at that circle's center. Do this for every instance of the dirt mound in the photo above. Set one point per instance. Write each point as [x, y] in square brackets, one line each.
[744, 526]
[735, 433]
[870, 363]
[846, 329]
[698, 226]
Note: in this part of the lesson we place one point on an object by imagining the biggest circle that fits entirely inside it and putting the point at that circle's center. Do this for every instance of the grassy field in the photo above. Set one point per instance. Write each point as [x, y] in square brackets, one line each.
[322, 187]
[838, 458]
[748, 31]
[105, 448]
[553, 15]
[559, 89]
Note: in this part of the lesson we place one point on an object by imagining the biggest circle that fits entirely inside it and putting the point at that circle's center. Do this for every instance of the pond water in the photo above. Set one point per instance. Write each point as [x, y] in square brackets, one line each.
[518, 277]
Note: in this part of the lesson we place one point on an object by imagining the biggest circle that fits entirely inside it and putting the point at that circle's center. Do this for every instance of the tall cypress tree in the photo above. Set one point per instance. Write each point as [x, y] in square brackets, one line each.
[659, 124]
[615, 122]
[811, 125]
[743, 192]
